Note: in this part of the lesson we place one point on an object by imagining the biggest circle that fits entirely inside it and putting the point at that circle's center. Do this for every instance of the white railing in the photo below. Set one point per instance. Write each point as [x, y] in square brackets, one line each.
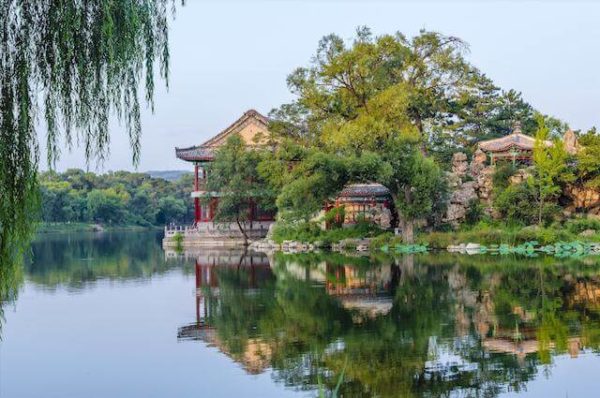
[221, 229]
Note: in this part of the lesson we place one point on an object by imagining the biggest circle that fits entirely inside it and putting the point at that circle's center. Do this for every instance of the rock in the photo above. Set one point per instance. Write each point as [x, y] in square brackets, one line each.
[464, 194]
[587, 233]
[457, 248]
[520, 176]
[459, 164]
[455, 213]
[583, 198]
[382, 217]
[453, 180]
[473, 246]
[571, 144]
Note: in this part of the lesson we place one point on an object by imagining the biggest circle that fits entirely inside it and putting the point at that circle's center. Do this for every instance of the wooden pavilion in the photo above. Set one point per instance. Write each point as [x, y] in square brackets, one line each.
[516, 147]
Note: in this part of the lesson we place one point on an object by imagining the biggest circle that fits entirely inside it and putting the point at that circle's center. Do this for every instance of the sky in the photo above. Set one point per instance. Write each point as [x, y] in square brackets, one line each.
[230, 56]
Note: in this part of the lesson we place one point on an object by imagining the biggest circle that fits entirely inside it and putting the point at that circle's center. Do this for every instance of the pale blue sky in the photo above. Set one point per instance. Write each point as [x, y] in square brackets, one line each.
[230, 56]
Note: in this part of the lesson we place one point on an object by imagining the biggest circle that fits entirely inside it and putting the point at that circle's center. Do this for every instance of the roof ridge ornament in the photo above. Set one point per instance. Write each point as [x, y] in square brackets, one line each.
[517, 127]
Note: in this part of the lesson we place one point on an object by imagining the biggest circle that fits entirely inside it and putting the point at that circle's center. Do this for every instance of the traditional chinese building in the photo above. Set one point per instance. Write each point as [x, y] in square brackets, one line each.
[253, 128]
[370, 202]
[516, 147]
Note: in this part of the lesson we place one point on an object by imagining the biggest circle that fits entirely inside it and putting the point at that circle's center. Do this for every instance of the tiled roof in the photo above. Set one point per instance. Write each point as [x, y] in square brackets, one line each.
[195, 153]
[237, 126]
[514, 140]
[206, 151]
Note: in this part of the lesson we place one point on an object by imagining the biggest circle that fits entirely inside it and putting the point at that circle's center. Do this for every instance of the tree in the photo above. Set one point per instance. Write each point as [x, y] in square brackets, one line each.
[234, 174]
[84, 60]
[417, 186]
[107, 205]
[170, 209]
[588, 160]
[550, 167]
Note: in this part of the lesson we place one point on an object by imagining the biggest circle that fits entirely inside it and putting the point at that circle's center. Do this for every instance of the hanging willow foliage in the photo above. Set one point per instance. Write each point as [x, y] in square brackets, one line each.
[69, 65]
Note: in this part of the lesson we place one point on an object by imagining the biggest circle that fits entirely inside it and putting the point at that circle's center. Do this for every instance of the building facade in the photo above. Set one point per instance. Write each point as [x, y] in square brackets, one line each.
[253, 128]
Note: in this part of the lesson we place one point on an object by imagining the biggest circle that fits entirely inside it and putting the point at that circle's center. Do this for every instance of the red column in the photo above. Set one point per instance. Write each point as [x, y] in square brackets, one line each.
[197, 212]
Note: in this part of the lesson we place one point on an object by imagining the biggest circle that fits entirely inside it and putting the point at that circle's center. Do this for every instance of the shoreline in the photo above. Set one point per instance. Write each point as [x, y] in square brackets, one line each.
[58, 228]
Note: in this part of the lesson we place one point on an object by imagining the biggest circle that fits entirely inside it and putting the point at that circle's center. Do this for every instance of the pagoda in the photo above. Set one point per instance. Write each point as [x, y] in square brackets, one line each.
[252, 127]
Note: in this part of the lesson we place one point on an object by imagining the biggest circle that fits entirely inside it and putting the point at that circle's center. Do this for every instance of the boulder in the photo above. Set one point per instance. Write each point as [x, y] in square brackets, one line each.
[465, 193]
[520, 176]
[459, 164]
[587, 233]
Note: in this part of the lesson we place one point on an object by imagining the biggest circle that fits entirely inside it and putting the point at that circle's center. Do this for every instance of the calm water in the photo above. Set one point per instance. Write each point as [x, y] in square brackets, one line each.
[112, 315]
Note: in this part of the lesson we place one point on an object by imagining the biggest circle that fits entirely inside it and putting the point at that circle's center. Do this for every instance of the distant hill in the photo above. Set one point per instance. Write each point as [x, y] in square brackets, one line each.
[169, 175]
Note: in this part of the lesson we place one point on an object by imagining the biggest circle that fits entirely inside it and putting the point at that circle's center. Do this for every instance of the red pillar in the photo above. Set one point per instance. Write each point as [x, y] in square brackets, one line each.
[197, 212]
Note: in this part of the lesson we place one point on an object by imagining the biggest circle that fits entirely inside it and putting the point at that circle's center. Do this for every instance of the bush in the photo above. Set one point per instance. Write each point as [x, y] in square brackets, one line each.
[502, 174]
[386, 238]
[543, 236]
[335, 217]
[516, 205]
[474, 212]
[582, 224]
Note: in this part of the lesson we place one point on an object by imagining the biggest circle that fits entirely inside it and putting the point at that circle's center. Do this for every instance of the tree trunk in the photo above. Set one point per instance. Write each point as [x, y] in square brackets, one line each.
[244, 234]
[541, 210]
[408, 232]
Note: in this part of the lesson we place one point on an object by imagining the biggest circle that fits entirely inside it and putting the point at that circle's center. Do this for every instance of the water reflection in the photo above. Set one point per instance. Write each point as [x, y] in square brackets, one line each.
[424, 325]
[79, 260]
[430, 325]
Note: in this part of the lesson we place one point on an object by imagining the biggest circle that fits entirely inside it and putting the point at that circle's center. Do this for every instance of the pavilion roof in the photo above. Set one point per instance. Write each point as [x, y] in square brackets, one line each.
[514, 140]
[206, 151]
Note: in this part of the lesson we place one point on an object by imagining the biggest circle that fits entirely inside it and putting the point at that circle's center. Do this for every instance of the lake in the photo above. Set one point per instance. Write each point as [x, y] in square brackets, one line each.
[113, 315]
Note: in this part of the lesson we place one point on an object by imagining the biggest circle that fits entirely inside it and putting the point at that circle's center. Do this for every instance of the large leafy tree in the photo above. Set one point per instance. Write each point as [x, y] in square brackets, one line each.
[75, 63]
[425, 81]
[234, 174]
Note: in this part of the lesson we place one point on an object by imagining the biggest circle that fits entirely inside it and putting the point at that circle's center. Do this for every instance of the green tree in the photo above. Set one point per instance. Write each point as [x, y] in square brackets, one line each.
[170, 209]
[84, 60]
[107, 205]
[417, 186]
[588, 160]
[550, 167]
[234, 174]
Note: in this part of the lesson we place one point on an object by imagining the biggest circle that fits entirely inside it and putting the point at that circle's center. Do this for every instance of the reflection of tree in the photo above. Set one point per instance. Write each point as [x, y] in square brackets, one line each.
[454, 325]
[83, 258]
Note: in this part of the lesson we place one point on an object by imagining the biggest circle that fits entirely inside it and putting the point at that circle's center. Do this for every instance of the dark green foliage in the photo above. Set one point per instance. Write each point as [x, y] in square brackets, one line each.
[517, 205]
[334, 218]
[234, 174]
[309, 232]
[579, 225]
[474, 213]
[502, 174]
[85, 62]
[116, 198]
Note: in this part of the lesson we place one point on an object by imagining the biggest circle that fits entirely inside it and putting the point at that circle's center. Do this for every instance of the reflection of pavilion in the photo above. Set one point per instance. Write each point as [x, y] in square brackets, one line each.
[368, 292]
[256, 356]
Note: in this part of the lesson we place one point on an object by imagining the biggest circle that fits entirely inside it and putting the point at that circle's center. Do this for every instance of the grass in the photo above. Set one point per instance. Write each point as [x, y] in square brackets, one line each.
[489, 234]
[484, 233]
[50, 228]
[310, 232]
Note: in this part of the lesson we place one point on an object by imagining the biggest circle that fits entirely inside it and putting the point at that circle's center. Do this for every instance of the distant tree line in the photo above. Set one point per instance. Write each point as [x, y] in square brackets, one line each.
[114, 198]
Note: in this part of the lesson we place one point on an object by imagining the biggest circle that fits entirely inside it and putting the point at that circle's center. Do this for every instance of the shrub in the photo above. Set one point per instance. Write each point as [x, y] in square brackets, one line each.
[335, 217]
[516, 205]
[386, 238]
[474, 212]
[582, 224]
[502, 174]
